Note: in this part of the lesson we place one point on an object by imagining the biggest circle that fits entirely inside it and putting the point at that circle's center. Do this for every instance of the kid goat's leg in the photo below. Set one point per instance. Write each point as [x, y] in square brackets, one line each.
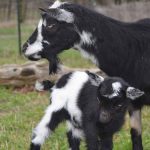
[106, 142]
[48, 123]
[74, 136]
[91, 135]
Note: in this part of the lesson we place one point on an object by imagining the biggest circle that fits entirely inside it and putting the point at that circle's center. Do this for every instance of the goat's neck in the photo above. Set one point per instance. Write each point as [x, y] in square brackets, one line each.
[86, 52]
[94, 45]
[91, 32]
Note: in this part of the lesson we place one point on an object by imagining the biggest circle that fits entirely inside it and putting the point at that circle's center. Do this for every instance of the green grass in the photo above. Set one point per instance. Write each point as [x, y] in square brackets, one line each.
[21, 111]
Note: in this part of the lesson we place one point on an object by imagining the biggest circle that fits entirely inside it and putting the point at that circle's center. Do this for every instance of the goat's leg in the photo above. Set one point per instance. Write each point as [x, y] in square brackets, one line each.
[73, 138]
[48, 123]
[74, 143]
[136, 128]
[106, 142]
[91, 135]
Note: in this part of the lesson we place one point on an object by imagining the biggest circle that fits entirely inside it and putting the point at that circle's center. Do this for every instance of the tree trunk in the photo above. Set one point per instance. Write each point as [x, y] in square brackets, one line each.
[27, 74]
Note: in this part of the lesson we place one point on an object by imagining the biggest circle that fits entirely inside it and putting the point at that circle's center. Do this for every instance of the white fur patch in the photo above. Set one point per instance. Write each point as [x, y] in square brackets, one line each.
[34, 48]
[56, 4]
[135, 121]
[65, 15]
[37, 56]
[39, 86]
[46, 42]
[65, 97]
[116, 89]
[68, 95]
[97, 81]
[87, 38]
[73, 88]
[116, 86]
[44, 22]
[77, 133]
[86, 55]
[37, 45]
[42, 131]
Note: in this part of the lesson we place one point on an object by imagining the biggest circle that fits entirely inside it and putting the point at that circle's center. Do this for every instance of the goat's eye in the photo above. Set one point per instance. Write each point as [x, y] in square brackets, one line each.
[50, 26]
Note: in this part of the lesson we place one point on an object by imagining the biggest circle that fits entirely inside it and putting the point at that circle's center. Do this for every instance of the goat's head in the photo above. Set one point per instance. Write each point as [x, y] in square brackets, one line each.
[55, 32]
[114, 95]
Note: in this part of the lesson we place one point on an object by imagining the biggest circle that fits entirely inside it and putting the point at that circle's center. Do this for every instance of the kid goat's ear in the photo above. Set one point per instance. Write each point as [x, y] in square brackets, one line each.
[133, 93]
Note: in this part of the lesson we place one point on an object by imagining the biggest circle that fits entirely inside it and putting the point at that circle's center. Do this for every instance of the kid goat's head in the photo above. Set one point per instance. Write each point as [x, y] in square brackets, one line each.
[114, 95]
[55, 32]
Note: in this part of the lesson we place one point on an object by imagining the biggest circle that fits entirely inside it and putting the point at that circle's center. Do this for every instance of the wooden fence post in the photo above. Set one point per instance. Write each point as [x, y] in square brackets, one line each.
[18, 25]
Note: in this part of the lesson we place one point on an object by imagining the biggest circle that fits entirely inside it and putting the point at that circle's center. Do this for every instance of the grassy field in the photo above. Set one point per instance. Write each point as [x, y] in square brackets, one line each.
[21, 109]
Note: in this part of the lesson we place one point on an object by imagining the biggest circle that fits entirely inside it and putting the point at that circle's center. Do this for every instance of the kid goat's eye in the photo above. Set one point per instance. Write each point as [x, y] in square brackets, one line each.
[118, 106]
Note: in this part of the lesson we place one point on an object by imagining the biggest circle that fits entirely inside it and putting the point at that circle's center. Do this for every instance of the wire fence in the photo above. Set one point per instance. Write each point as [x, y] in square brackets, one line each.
[28, 9]
[19, 12]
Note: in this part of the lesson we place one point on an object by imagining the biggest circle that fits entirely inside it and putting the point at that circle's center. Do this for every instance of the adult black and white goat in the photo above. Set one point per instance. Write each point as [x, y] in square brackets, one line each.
[92, 106]
[118, 48]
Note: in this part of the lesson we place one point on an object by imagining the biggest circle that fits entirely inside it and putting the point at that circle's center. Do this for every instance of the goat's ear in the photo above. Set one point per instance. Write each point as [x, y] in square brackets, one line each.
[133, 93]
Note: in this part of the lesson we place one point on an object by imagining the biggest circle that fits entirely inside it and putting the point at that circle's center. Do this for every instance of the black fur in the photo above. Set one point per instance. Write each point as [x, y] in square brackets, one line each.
[34, 147]
[136, 138]
[74, 143]
[47, 84]
[63, 80]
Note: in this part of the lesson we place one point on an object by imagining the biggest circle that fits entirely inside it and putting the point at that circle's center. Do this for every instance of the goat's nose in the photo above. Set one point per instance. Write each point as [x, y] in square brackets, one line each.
[24, 47]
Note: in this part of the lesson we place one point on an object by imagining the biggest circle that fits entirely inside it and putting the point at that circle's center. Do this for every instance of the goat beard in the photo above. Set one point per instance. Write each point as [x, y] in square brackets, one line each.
[54, 65]
[54, 62]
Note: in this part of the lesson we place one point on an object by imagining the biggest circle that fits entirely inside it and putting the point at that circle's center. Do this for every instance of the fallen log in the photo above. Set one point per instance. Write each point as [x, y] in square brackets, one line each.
[27, 74]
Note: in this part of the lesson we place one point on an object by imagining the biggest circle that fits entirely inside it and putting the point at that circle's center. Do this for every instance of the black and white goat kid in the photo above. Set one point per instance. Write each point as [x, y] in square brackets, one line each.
[92, 106]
